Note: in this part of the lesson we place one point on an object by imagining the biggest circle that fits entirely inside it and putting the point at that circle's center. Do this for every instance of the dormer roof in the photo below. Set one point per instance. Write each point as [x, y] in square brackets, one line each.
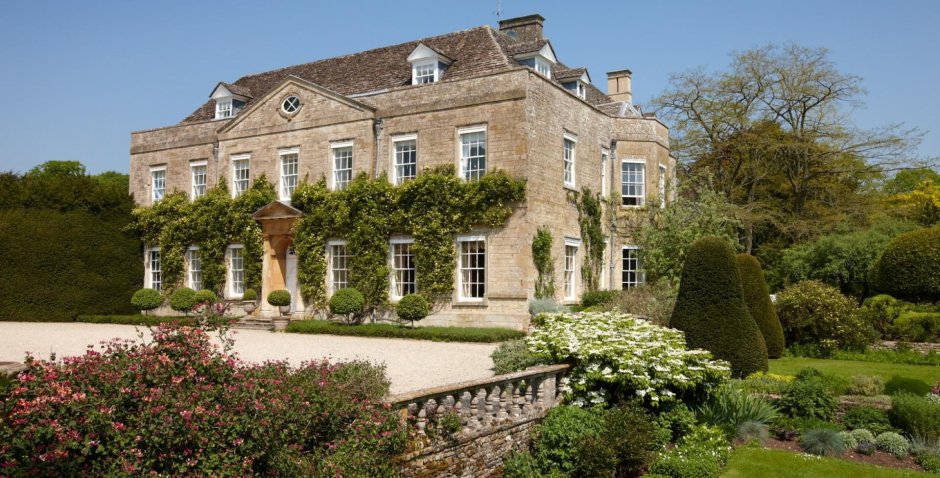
[532, 48]
[227, 90]
[565, 75]
[424, 52]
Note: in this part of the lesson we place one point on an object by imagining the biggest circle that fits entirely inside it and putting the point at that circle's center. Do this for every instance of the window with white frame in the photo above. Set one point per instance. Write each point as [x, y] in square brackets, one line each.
[195, 268]
[342, 164]
[403, 268]
[633, 182]
[543, 67]
[339, 266]
[157, 183]
[631, 272]
[425, 73]
[472, 153]
[241, 174]
[582, 90]
[223, 108]
[662, 185]
[571, 267]
[236, 270]
[472, 275]
[154, 270]
[198, 177]
[605, 165]
[406, 158]
[288, 173]
[569, 158]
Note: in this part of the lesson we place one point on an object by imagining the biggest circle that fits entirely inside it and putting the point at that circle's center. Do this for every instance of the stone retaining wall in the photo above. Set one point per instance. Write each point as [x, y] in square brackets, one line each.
[922, 347]
[496, 416]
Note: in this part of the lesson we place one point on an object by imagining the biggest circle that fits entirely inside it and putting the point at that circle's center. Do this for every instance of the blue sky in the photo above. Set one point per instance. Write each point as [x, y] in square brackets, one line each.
[78, 77]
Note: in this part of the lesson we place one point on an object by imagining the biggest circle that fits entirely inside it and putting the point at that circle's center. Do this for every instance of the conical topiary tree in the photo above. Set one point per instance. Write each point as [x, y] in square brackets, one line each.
[757, 297]
[710, 308]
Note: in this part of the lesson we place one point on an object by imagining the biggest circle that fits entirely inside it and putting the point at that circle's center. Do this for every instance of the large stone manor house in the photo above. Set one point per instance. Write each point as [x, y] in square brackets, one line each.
[480, 99]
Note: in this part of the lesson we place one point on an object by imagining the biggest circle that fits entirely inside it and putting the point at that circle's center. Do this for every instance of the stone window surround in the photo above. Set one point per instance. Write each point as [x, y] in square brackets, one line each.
[571, 275]
[605, 166]
[149, 260]
[641, 198]
[662, 185]
[393, 280]
[153, 183]
[236, 158]
[573, 139]
[396, 139]
[638, 272]
[334, 146]
[230, 271]
[282, 155]
[194, 192]
[191, 254]
[466, 130]
[460, 297]
[330, 288]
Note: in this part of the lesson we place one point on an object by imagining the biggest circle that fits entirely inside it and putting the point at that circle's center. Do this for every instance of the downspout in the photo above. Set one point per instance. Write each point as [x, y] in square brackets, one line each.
[377, 144]
[613, 214]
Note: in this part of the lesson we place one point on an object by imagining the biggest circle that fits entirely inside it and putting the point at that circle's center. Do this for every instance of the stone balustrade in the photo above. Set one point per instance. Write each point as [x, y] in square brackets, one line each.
[486, 403]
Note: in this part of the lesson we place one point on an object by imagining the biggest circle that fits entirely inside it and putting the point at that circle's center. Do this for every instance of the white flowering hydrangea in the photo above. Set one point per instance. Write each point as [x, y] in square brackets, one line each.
[616, 354]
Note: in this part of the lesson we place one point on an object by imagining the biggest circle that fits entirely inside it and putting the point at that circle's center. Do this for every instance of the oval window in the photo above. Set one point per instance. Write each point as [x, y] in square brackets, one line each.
[291, 104]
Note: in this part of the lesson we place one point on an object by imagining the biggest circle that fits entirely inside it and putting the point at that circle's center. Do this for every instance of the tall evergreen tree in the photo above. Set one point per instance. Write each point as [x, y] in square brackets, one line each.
[757, 296]
[711, 310]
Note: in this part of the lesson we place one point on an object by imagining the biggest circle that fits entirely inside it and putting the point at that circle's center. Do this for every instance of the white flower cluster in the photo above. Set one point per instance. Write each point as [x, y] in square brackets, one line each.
[616, 354]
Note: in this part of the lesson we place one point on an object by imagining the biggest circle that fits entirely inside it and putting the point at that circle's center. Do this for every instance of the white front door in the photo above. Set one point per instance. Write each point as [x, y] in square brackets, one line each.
[291, 279]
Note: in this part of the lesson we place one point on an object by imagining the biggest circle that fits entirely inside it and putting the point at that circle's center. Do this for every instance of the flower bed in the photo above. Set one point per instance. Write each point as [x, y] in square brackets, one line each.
[180, 406]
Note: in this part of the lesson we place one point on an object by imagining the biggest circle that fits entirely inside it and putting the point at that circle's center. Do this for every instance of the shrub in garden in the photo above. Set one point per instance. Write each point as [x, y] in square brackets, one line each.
[700, 454]
[893, 443]
[822, 442]
[250, 295]
[762, 382]
[866, 448]
[616, 356]
[753, 432]
[206, 296]
[815, 313]
[866, 418]
[762, 310]
[677, 422]
[136, 409]
[513, 356]
[867, 385]
[279, 298]
[881, 311]
[916, 415]
[146, 299]
[521, 464]
[808, 399]
[909, 267]
[598, 297]
[848, 440]
[545, 306]
[915, 326]
[653, 301]
[362, 380]
[561, 430]
[632, 436]
[729, 408]
[862, 435]
[183, 300]
[348, 302]
[412, 307]
[710, 308]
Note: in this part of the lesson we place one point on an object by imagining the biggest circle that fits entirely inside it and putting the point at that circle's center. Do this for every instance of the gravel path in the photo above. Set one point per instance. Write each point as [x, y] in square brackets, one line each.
[412, 364]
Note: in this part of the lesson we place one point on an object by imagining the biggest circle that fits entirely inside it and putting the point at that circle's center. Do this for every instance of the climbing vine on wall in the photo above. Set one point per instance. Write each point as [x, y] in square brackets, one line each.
[212, 223]
[590, 222]
[544, 264]
[431, 208]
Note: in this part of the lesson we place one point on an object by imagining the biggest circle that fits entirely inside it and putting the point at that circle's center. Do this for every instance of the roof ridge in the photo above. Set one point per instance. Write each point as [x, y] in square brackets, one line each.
[499, 47]
[386, 47]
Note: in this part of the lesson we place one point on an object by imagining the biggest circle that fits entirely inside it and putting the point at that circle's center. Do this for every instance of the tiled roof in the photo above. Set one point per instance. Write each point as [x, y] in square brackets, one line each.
[474, 51]
[562, 74]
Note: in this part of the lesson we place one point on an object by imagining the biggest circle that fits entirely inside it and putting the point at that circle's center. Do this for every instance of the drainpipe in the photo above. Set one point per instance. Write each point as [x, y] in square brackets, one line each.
[613, 221]
[377, 143]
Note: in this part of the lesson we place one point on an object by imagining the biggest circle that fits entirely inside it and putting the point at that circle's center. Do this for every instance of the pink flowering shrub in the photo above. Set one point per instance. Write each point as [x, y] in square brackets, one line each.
[181, 406]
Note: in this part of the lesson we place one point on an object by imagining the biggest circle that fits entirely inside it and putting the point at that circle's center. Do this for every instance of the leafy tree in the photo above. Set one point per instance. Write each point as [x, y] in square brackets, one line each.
[711, 310]
[909, 267]
[52, 169]
[771, 134]
[921, 205]
[907, 180]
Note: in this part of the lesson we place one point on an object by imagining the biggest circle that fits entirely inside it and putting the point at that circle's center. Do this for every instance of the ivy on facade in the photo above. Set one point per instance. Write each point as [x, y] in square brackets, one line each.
[432, 209]
[544, 264]
[590, 222]
[212, 223]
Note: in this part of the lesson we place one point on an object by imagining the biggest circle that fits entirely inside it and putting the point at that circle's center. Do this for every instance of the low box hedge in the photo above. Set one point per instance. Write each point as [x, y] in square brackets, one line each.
[134, 319]
[436, 334]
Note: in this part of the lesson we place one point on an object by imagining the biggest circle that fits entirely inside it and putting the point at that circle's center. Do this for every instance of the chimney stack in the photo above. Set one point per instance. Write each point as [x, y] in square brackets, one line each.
[525, 28]
[620, 86]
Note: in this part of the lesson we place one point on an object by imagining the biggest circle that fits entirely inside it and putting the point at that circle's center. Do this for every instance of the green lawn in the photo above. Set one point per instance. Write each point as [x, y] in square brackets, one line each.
[915, 378]
[764, 463]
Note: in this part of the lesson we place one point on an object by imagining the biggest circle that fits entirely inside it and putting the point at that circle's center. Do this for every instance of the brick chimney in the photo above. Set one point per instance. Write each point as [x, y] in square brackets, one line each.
[620, 86]
[525, 28]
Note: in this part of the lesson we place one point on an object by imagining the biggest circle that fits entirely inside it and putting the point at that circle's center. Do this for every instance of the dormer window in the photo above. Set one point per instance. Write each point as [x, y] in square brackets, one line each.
[223, 109]
[575, 81]
[427, 65]
[541, 61]
[229, 100]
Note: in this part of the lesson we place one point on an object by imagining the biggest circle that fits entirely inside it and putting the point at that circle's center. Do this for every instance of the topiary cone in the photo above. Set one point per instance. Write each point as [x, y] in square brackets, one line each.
[757, 297]
[710, 308]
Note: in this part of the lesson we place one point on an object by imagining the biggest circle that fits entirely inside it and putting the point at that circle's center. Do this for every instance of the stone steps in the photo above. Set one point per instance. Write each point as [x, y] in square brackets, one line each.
[253, 323]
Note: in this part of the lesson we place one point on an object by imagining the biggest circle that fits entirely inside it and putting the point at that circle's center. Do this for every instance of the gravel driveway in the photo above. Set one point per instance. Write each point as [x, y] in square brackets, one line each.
[412, 364]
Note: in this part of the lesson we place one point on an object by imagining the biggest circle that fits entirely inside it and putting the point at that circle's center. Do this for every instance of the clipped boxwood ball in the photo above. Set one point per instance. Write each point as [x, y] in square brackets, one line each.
[183, 299]
[206, 296]
[250, 294]
[279, 298]
[909, 267]
[347, 301]
[412, 307]
[146, 299]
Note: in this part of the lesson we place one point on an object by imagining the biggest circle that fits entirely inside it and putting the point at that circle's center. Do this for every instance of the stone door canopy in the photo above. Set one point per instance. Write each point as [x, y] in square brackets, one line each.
[277, 210]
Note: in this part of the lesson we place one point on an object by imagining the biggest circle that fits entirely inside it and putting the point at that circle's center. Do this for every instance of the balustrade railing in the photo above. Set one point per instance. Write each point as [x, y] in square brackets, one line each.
[486, 403]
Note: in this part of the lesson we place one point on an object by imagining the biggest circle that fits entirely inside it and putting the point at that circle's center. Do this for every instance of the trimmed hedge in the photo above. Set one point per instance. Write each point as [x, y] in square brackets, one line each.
[909, 268]
[347, 301]
[135, 319]
[146, 299]
[279, 298]
[412, 307]
[436, 334]
[757, 296]
[183, 300]
[57, 265]
[710, 308]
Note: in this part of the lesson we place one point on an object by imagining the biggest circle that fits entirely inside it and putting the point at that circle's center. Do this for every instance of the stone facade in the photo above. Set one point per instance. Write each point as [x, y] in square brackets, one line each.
[526, 117]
